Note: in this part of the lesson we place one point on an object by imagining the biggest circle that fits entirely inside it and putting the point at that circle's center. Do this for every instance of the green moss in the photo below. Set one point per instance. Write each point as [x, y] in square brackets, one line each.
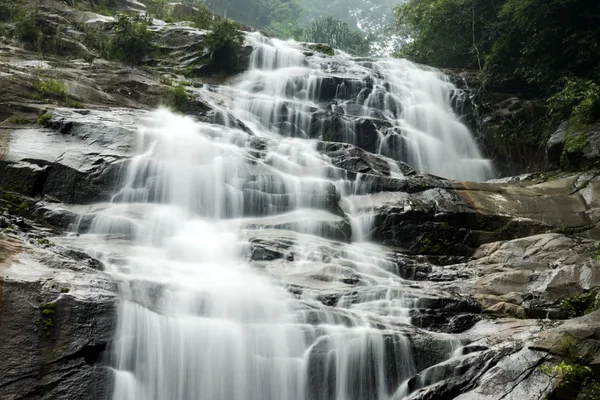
[48, 309]
[64, 290]
[46, 322]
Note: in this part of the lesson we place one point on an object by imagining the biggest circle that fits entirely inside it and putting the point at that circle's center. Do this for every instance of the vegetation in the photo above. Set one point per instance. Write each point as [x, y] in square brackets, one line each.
[579, 305]
[20, 120]
[577, 100]
[576, 377]
[540, 41]
[179, 98]
[545, 49]
[44, 119]
[258, 13]
[47, 311]
[337, 34]
[132, 40]
[224, 43]
[49, 89]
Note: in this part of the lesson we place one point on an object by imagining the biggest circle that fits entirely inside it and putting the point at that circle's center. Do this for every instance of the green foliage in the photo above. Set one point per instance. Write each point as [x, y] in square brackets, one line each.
[198, 13]
[571, 158]
[158, 9]
[10, 9]
[568, 373]
[20, 120]
[45, 242]
[49, 89]
[337, 34]
[73, 103]
[132, 40]
[48, 309]
[577, 100]
[102, 10]
[44, 119]
[64, 290]
[258, 13]
[202, 17]
[538, 40]
[543, 41]
[179, 98]
[28, 29]
[446, 33]
[226, 33]
[285, 30]
[576, 306]
[224, 43]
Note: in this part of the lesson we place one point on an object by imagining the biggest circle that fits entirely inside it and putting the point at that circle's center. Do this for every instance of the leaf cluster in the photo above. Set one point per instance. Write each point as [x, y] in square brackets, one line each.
[132, 40]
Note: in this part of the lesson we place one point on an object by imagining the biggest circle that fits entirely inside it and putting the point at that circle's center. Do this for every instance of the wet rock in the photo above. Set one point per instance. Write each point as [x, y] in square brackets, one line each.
[506, 309]
[447, 380]
[555, 146]
[515, 377]
[50, 314]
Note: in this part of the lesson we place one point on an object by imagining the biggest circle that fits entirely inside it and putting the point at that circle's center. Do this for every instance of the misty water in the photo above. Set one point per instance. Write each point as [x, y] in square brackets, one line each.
[200, 316]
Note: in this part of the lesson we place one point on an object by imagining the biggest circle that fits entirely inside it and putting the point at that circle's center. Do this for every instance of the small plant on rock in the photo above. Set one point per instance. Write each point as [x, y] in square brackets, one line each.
[44, 119]
[49, 88]
[179, 98]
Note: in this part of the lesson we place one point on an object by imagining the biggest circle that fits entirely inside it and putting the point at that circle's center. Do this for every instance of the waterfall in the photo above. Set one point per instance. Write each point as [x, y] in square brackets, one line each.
[221, 236]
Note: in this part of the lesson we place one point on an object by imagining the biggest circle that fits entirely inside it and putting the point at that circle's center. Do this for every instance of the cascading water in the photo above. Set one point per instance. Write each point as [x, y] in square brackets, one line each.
[202, 316]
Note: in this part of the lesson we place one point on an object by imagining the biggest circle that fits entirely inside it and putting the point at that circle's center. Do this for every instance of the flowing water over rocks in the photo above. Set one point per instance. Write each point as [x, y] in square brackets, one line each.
[280, 243]
[200, 316]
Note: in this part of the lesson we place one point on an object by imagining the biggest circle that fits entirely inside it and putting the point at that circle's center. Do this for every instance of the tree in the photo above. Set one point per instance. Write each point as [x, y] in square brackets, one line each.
[337, 34]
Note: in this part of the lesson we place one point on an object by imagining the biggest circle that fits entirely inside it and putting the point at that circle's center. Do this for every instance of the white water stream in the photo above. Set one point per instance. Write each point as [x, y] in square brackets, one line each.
[198, 319]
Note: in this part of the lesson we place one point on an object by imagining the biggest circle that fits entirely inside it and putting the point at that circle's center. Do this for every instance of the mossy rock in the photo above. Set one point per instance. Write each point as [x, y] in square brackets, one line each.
[322, 48]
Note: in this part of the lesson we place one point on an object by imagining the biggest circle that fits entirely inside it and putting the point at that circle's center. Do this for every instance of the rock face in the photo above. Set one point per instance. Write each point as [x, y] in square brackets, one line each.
[56, 320]
[470, 278]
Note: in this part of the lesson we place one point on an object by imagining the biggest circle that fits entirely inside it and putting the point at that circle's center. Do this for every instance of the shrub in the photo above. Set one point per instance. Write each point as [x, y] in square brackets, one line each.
[225, 33]
[158, 9]
[50, 89]
[179, 98]
[337, 34]
[224, 43]
[578, 99]
[44, 119]
[28, 28]
[203, 17]
[576, 306]
[10, 9]
[97, 40]
[132, 40]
